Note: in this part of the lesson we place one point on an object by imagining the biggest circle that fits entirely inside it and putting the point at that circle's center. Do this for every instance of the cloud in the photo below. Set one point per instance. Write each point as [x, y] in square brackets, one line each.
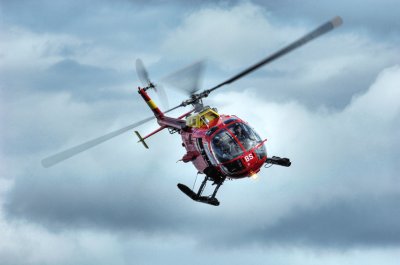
[230, 36]
[324, 106]
[118, 201]
[326, 72]
[85, 82]
[360, 222]
[365, 19]
[344, 171]
[61, 62]
[26, 243]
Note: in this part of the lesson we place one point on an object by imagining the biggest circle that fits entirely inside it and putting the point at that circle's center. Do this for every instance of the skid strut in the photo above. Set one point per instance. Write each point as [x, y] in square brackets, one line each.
[197, 196]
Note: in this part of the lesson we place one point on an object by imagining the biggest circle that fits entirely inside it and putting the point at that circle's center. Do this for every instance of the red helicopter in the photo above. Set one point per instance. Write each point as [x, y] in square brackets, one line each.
[219, 146]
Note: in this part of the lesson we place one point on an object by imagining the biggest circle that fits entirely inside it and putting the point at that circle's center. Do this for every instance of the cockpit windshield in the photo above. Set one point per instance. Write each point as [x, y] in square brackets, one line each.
[225, 147]
[246, 136]
[232, 142]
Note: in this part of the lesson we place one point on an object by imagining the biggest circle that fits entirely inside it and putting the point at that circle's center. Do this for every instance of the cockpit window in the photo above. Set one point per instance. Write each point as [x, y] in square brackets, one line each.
[211, 131]
[246, 135]
[230, 120]
[225, 147]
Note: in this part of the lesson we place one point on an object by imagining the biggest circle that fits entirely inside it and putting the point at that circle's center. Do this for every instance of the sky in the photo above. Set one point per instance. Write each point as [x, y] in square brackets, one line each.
[67, 74]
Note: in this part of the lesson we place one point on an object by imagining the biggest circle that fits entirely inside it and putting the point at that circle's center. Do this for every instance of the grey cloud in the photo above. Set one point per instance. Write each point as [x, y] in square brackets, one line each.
[380, 19]
[75, 197]
[345, 56]
[356, 222]
[334, 93]
[116, 203]
[123, 25]
[82, 81]
[119, 189]
[124, 35]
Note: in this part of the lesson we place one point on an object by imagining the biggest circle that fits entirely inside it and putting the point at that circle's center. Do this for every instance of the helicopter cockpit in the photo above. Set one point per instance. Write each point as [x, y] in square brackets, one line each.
[225, 147]
[246, 136]
[231, 142]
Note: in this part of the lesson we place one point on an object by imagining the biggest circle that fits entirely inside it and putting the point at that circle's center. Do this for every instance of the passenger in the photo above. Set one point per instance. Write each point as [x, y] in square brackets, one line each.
[223, 149]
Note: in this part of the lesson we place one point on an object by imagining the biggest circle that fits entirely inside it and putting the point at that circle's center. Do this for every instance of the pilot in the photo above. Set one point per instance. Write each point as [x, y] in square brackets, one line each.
[239, 133]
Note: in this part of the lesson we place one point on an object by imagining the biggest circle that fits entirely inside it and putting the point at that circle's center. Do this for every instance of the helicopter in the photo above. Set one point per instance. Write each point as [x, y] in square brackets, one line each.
[219, 146]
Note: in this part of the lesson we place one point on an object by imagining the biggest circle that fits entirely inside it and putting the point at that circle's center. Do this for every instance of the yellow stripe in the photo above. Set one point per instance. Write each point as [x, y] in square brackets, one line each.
[151, 104]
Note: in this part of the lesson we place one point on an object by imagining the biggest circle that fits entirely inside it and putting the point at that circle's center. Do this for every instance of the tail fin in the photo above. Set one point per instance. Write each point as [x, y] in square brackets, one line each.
[141, 140]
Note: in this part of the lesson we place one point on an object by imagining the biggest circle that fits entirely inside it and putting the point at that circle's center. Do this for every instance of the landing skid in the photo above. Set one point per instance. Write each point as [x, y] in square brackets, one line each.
[197, 196]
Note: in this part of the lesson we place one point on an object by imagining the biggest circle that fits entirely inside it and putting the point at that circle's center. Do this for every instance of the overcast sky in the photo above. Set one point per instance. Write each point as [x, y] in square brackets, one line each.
[67, 74]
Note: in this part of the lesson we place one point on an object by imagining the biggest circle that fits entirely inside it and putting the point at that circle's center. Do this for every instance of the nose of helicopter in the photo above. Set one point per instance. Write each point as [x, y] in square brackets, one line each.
[252, 162]
[246, 165]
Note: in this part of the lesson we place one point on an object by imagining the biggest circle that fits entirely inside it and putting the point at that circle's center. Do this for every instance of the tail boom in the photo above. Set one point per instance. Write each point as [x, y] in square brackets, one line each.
[157, 112]
[176, 124]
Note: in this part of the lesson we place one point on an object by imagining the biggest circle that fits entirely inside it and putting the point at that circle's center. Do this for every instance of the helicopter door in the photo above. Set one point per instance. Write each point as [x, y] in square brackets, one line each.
[203, 150]
[209, 155]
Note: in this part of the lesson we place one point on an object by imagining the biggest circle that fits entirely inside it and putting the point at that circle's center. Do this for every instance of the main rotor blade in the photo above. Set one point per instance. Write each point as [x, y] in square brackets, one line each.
[335, 22]
[186, 79]
[61, 156]
[174, 108]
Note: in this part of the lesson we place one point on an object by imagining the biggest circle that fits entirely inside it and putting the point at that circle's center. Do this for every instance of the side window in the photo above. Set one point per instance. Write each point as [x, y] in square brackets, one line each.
[209, 155]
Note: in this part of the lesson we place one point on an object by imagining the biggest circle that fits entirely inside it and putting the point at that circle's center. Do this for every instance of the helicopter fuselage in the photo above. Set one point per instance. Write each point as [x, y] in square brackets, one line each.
[219, 150]
[220, 146]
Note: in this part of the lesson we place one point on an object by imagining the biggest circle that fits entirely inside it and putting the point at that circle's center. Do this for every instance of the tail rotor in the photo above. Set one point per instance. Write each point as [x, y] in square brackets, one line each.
[145, 79]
